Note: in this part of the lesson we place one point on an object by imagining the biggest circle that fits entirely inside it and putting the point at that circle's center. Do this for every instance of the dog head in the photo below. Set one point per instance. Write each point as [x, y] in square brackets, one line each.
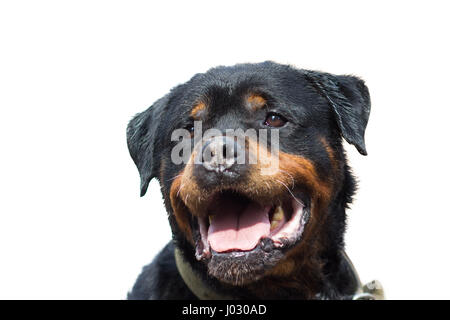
[271, 195]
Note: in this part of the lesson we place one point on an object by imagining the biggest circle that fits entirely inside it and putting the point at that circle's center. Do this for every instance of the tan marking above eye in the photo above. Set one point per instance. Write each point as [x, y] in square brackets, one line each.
[198, 110]
[256, 102]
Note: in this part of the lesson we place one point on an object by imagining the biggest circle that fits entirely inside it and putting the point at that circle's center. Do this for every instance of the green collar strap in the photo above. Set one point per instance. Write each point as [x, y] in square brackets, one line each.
[194, 282]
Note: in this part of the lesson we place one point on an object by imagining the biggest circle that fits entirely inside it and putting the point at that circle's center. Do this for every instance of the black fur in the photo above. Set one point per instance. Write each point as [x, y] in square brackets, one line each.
[316, 104]
[160, 280]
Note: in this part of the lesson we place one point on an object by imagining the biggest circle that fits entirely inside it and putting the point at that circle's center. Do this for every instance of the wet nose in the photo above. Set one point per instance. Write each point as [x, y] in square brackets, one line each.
[220, 154]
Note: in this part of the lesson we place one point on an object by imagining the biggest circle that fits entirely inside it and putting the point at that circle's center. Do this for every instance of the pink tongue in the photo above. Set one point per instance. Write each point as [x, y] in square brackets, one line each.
[231, 229]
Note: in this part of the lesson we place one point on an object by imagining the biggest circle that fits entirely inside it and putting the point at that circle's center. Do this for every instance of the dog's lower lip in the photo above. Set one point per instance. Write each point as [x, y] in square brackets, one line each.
[286, 232]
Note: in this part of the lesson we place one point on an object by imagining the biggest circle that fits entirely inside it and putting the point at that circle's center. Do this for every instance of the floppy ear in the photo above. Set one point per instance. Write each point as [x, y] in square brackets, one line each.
[141, 140]
[350, 102]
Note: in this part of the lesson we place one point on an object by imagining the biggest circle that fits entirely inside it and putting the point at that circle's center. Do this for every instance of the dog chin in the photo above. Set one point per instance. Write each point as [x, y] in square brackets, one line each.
[242, 267]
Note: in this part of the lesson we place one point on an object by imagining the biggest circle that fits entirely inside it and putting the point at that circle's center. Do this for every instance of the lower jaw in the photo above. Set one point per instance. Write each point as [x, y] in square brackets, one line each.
[239, 268]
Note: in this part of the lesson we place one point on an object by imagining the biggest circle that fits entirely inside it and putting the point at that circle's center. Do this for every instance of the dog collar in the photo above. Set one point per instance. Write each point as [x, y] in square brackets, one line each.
[371, 291]
[194, 282]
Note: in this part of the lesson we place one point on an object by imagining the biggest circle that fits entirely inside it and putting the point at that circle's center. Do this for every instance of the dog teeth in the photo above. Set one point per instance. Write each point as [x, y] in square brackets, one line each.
[277, 217]
[210, 217]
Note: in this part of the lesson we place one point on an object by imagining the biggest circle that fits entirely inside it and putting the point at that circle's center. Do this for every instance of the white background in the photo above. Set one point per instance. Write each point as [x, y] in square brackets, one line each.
[73, 73]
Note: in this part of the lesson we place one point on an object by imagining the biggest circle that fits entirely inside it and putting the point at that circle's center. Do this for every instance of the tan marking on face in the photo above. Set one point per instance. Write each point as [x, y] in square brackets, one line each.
[198, 109]
[180, 210]
[255, 102]
[191, 193]
[292, 171]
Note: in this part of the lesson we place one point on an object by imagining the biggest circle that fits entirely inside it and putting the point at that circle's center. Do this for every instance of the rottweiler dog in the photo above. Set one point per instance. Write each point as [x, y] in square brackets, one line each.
[241, 231]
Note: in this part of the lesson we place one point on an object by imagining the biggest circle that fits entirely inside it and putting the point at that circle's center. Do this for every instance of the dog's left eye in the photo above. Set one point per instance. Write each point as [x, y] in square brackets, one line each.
[275, 120]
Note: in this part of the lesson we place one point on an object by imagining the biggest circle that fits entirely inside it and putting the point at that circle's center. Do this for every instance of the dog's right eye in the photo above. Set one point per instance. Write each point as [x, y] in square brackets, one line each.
[275, 120]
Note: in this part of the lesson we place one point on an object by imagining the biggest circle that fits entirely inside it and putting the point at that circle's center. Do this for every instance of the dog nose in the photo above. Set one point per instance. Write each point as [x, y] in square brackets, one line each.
[220, 154]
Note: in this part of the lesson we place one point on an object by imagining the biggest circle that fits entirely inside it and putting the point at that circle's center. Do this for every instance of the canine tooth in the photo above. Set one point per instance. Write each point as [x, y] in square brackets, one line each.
[210, 217]
[273, 225]
[277, 217]
[278, 214]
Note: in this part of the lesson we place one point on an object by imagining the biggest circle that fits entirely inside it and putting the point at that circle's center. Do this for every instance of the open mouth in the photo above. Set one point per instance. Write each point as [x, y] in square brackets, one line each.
[237, 224]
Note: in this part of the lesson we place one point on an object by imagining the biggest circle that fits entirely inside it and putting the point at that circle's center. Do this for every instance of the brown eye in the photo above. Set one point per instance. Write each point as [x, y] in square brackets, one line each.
[275, 120]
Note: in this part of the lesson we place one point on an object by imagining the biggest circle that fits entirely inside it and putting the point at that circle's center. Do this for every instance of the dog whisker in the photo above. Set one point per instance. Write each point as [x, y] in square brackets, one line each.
[290, 192]
[177, 176]
[290, 175]
[179, 190]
